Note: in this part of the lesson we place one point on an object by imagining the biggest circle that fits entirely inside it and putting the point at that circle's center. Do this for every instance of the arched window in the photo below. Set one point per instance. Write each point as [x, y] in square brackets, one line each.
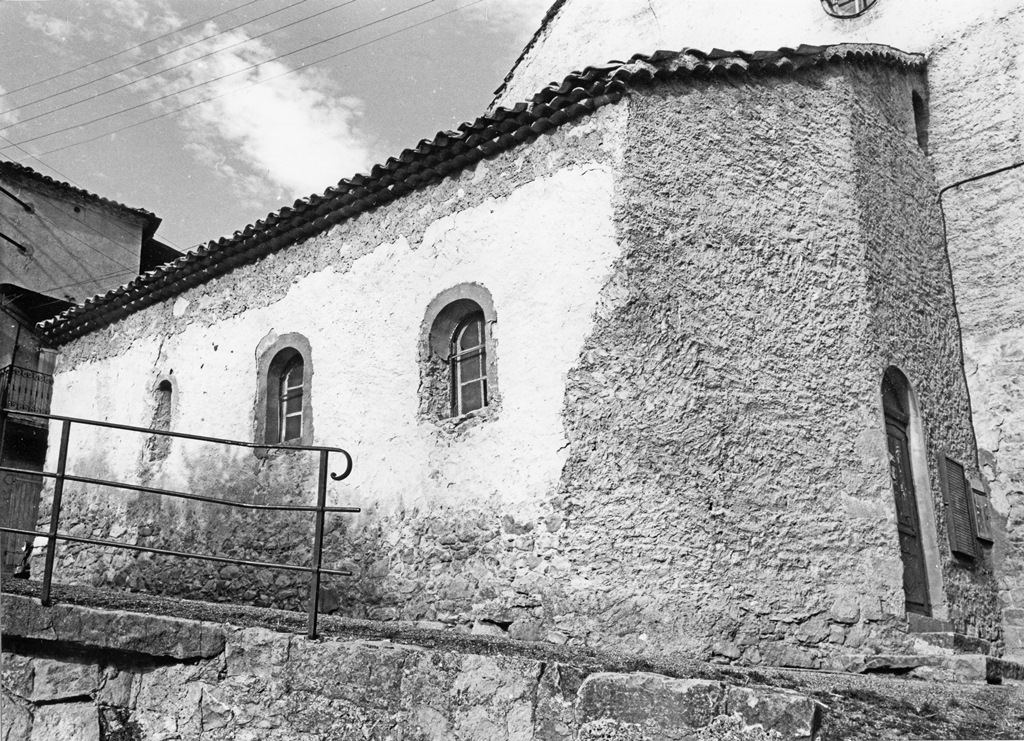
[164, 400]
[158, 447]
[469, 365]
[284, 411]
[458, 373]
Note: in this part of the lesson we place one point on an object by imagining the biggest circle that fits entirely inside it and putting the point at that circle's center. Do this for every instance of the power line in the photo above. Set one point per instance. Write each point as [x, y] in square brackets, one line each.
[266, 79]
[86, 224]
[89, 99]
[230, 74]
[124, 51]
[96, 279]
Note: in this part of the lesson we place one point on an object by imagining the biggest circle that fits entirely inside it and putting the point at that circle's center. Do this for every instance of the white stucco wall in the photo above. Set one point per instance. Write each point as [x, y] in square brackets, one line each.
[543, 252]
[592, 32]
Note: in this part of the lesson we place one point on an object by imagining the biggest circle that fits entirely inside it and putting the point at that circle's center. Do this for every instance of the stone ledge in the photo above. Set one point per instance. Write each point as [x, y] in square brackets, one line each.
[956, 642]
[666, 708]
[956, 667]
[154, 635]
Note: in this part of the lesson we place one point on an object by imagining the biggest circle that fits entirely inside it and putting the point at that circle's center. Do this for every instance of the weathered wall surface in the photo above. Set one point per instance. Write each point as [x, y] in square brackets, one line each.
[687, 455]
[985, 221]
[735, 384]
[914, 325]
[75, 249]
[592, 32]
[191, 680]
[977, 117]
[444, 504]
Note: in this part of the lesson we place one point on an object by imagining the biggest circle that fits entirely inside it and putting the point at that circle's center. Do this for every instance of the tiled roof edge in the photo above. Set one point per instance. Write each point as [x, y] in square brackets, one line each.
[151, 219]
[579, 94]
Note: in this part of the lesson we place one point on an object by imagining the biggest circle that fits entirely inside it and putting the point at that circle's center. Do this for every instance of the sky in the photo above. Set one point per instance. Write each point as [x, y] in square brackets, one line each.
[255, 103]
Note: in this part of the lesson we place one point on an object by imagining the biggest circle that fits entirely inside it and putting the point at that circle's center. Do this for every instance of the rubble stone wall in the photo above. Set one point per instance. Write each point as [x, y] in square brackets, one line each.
[687, 455]
[449, 509]
[914, 326]
[976, 115]
[161, 678]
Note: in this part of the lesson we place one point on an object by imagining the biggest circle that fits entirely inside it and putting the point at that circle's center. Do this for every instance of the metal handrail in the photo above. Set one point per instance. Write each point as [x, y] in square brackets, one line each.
[60, 476]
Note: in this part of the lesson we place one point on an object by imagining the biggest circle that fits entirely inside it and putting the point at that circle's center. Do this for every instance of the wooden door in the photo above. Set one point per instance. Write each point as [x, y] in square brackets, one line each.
[915, 584]
[19, 507]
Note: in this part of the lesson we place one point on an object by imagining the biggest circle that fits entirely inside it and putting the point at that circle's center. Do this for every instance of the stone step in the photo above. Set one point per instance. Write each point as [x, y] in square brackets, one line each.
[957, 667]
[955, 642]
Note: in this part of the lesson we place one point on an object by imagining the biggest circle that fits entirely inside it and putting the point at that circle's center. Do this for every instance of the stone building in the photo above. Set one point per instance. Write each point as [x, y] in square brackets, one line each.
[669, 358]
[58, 245]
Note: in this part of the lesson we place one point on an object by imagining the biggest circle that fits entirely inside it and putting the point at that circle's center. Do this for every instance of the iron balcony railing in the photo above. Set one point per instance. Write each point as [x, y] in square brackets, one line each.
[25, 390]
[61, 475]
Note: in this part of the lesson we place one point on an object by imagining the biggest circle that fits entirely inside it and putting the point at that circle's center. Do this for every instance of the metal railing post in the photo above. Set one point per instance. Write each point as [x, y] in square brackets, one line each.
[318, 545]
[58, 494]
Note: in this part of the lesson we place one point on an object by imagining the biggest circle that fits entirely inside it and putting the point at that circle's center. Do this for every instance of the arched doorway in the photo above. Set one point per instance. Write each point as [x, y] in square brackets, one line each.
[896, 402]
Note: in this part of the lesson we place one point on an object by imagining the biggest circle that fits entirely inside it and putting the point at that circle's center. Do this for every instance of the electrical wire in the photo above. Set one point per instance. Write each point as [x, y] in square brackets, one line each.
[89, 99]
[86, 224]
[266, 79]
[124, 51]
[97, 279]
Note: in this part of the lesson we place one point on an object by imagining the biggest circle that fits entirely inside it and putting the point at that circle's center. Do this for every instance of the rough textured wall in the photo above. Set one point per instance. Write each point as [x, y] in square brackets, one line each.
[985, 223]
[716, 460]
[977, 116]
[914, 322]
[975, 79]
[163, 678]
[728, 488]
[592, 32]
[159, 678]
[687, 455]
[447, 508]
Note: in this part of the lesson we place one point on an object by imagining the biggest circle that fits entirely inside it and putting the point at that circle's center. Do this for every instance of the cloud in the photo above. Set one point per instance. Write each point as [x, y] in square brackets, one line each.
[6, 119]
[53, 26]
[291, 129]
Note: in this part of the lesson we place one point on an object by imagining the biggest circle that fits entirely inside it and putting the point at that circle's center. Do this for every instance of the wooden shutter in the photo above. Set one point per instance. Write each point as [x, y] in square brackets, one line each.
[956, 490]
[982, 510]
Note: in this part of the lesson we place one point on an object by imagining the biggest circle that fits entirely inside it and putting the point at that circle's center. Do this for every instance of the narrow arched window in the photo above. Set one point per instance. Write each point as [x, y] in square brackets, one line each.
[284, 413]
[290, 400]
[468, 360]
[164, 400]
[158, 447]
[458, 369]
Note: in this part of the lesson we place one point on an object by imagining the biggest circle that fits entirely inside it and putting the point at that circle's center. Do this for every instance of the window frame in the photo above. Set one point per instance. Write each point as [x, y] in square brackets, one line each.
[276, 356]
[288, 391]
[460, 356]
[445, 318]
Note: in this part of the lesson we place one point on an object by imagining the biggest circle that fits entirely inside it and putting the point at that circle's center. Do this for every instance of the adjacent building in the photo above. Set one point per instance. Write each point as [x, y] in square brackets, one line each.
[58, 246]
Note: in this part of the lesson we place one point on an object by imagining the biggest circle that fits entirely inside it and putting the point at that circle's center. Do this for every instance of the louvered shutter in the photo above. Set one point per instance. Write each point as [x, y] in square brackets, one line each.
[956, 490]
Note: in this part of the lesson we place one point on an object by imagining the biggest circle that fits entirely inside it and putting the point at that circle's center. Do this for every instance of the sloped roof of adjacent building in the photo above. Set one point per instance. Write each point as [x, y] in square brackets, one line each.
[17, 171]
[449, 152]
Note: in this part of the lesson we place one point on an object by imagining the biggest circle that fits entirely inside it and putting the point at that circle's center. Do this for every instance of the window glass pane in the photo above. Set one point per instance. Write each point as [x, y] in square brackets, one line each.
[472, 397]
[293, 405]
[472, 334]
[469, 368]
[293, 427]
[292, 377]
